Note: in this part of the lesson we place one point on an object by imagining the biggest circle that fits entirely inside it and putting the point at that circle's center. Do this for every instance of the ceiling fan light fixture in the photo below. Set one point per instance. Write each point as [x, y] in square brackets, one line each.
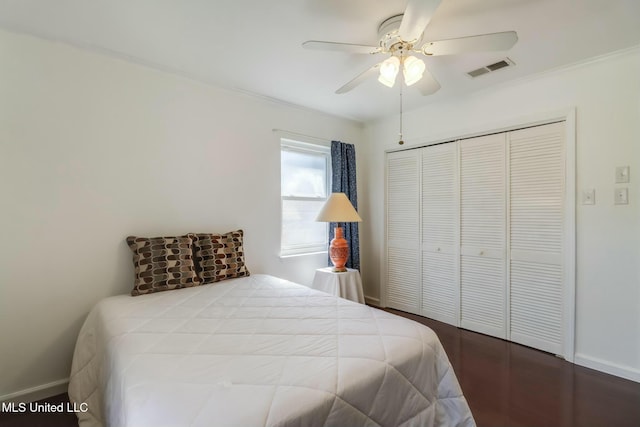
[403, 35]
[389, 71]
[413, 69]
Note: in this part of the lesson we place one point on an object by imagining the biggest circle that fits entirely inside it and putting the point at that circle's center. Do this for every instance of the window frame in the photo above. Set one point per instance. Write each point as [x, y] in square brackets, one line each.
[320, 149]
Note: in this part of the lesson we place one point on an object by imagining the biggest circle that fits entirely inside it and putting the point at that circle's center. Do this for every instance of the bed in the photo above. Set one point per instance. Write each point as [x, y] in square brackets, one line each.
[259, 351]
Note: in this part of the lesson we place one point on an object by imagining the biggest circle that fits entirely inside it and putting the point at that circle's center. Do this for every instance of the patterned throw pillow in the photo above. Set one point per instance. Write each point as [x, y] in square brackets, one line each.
[162, 264]
[219, 256]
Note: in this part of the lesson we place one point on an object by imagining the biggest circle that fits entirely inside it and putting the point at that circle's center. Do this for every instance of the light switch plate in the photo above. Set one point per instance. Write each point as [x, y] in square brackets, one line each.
[589, 197]
[622, 174]
[621, 196]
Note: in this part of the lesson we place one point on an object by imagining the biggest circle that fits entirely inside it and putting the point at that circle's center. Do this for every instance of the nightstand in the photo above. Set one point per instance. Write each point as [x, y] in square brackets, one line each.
[347, 284]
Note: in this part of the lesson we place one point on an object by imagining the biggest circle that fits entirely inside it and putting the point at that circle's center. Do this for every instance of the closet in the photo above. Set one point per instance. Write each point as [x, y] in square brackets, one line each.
[475, 234]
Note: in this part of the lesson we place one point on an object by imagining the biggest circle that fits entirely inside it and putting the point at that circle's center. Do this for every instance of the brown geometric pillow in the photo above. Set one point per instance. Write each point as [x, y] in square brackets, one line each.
[162, 264]
[219, 256]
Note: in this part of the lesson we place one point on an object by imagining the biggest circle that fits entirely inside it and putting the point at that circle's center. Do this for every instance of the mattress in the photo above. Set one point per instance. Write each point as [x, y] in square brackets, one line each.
[259, 351]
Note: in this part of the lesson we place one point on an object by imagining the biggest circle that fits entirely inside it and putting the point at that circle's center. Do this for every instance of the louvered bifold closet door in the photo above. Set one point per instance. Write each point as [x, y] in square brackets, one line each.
[440, 286]
[403, 231]
[482, 235]
[537, 217]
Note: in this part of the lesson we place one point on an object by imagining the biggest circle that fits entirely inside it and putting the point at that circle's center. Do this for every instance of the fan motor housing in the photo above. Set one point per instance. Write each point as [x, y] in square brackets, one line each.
[390, 40]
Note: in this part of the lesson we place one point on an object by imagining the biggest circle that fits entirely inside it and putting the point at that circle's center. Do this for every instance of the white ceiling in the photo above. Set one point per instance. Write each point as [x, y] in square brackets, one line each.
[255, 45]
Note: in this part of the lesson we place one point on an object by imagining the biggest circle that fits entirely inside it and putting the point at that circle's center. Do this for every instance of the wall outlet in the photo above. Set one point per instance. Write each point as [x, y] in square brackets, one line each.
[621, 196]
[589, 197]
[622, 174]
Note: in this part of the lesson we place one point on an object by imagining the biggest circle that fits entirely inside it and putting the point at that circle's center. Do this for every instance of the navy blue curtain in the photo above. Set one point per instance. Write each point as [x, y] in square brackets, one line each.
[343, 167]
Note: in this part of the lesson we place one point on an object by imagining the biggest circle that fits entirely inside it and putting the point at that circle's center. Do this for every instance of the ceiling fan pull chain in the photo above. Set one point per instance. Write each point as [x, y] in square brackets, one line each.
[400, 142]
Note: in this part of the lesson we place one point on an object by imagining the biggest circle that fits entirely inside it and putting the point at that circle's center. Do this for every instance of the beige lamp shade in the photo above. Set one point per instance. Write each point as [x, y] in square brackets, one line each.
[338, 208]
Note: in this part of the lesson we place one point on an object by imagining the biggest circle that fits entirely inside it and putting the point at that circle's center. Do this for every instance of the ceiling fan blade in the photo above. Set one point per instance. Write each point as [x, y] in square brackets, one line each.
[480, 43]
[416, 17]
[427, 85]
[340, 47]
[359, 79]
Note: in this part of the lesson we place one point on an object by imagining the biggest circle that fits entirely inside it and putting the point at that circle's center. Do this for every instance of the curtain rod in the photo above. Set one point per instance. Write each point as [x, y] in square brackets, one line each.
[294, 134]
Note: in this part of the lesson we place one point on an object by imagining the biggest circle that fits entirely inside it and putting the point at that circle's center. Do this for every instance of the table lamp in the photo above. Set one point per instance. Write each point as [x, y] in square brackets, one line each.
[338, 209]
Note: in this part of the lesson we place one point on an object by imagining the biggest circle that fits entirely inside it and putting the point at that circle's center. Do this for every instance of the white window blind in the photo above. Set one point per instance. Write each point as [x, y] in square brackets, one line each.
[305, 175]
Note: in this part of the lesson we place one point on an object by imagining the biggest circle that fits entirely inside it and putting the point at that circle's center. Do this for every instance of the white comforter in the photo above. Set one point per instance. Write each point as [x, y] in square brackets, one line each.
[259, 351]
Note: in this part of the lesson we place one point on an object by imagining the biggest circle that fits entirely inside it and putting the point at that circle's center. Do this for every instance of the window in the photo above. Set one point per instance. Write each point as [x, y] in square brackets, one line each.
[304, 189]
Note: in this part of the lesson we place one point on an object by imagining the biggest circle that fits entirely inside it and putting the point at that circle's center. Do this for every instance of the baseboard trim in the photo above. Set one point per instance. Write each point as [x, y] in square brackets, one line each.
[38, 392]
[625, 372]
[372, 301]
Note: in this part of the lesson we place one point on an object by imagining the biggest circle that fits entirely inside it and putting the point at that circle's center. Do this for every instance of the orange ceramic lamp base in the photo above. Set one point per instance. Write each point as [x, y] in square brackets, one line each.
[339, 251]
[338, 209]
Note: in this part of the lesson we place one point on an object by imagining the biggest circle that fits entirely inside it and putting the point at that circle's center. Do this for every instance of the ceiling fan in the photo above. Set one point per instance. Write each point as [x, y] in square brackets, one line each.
[401, 36]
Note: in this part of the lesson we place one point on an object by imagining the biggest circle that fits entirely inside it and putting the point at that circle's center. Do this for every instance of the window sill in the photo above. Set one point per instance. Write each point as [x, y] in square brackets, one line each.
[288, 256]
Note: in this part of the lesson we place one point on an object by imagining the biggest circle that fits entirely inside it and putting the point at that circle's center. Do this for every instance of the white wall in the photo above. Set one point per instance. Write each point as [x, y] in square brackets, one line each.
[606, 96]
[93, 149]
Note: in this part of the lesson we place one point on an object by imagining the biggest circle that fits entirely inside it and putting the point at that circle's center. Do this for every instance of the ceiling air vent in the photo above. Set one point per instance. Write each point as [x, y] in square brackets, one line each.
[491, 67]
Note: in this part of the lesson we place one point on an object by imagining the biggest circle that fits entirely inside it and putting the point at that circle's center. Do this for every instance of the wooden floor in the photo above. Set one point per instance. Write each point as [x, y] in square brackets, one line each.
[505, 384]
